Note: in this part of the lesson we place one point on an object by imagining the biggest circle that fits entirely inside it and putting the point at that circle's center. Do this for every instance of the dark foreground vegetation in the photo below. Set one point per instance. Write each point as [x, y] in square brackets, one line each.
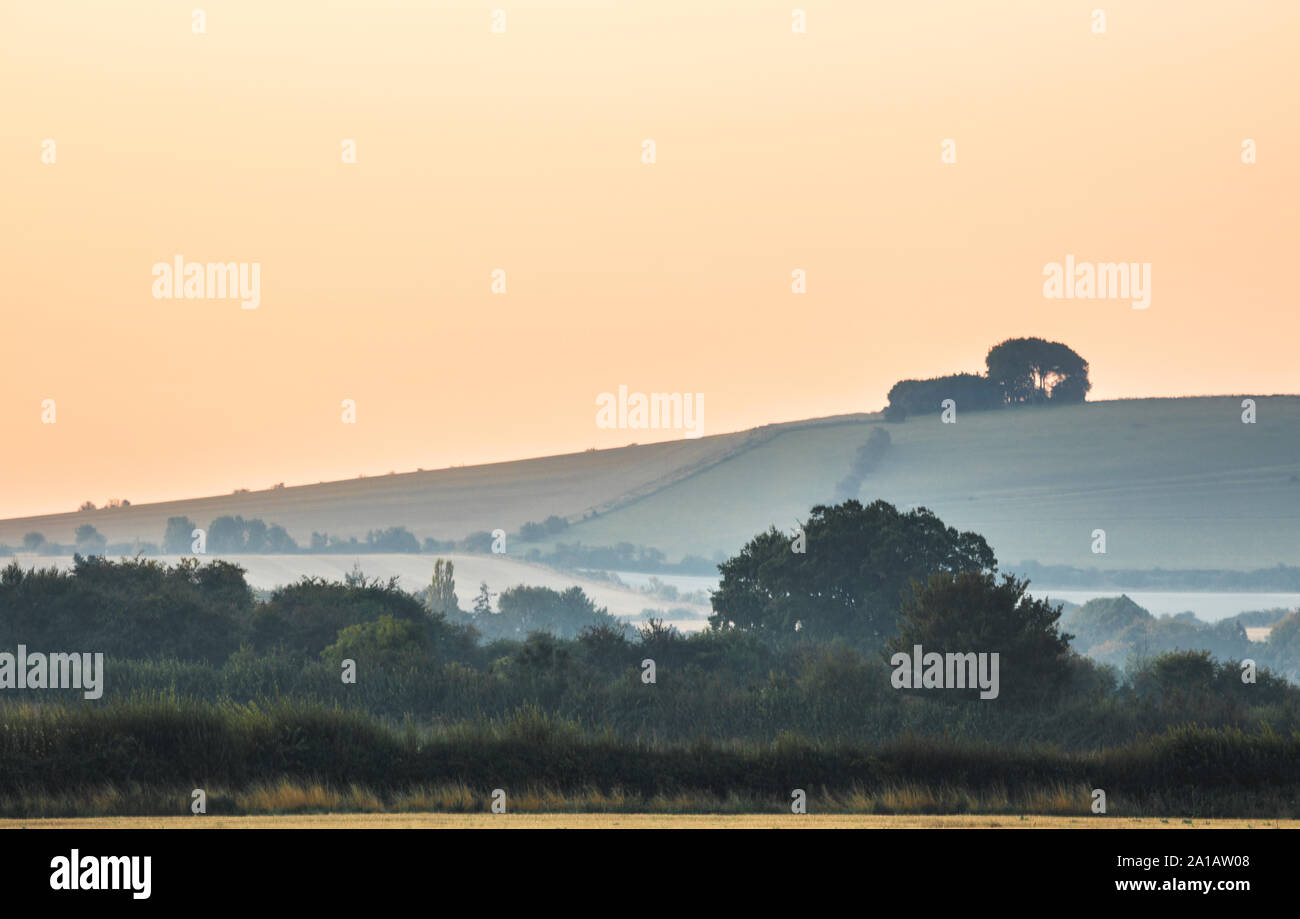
[148, 756]
[360, 689]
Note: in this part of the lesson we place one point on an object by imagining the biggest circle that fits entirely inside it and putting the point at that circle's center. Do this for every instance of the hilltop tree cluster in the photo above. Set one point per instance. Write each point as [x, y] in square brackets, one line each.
[1021, 371]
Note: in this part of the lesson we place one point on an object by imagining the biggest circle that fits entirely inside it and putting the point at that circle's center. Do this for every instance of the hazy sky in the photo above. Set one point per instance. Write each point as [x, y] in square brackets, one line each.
[523, 151]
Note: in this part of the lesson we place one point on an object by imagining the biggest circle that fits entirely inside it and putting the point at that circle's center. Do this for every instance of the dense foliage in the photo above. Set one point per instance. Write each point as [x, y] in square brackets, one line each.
[1020, 371]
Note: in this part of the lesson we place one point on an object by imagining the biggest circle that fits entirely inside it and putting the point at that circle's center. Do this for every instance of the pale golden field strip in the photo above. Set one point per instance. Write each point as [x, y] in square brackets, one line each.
[640, 821]
[443, 503]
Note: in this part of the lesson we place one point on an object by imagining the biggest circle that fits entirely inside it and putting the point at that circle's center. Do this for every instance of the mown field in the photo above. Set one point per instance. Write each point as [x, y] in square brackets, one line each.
[1175, 483]
[643, 822]
[440, 503]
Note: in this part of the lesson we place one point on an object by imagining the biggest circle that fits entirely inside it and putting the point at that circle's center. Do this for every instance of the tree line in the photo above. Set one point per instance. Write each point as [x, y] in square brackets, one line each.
[1020, 371]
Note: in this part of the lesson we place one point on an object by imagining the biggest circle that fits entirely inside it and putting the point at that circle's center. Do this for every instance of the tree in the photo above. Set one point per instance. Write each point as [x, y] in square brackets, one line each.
[226, 534]
[1283, 646]
[254, 535]
[850, 579]
[442, 590]
[33, 541]
[524, 610]
[532, 532]
[307, 616]
[392, 539]
[1036, 370]
[134, 608]
[279, 542]
[177, 539]
[482, 602]
[479, 541]
[382, 642]
[969, 611]
[971, 392]
[89, 540]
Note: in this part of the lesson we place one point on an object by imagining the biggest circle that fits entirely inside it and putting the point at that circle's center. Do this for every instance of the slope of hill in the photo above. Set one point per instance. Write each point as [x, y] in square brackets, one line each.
[442, 503]
[1174, 483]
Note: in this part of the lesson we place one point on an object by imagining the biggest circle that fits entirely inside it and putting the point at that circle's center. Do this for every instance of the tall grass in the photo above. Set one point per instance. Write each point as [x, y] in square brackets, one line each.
[821, 697]
[147, 754]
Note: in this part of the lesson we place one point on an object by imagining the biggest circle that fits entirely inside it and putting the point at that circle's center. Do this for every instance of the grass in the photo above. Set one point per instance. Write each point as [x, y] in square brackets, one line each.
[598, 821]
[147, 756]
[1176, 483]
[444, 503]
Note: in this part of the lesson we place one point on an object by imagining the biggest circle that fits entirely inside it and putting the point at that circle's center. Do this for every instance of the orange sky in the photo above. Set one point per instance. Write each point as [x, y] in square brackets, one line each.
[522, 151]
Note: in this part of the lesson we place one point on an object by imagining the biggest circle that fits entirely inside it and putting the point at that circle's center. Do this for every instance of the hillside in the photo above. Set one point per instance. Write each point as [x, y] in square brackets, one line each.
[441, 503]
[1175, 483]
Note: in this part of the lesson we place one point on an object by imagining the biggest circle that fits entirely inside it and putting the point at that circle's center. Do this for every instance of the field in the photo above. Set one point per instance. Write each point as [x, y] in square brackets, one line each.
[1175, 483]
[442, 503]
[641, 821]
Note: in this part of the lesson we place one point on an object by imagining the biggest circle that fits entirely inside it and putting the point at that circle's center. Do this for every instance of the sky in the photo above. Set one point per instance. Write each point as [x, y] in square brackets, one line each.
[523, 151]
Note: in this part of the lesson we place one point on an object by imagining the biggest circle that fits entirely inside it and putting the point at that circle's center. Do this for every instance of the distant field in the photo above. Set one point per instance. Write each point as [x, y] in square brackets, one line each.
[641, 821]
[1175, 483]
[441, 503]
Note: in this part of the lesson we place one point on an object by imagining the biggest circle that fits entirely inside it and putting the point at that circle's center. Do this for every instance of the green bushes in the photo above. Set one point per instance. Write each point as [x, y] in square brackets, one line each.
[131, 608]
[165, 743]
[194, 632]
[721, 685]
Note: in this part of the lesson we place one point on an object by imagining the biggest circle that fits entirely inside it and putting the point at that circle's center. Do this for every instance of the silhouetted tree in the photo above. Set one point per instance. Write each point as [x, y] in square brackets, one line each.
[971, 392]
[1036, 370]
[850, 579]
[89, 540]
[483, 601]
[226, 534]
[971, 612]
[177, 539]
[442, 590]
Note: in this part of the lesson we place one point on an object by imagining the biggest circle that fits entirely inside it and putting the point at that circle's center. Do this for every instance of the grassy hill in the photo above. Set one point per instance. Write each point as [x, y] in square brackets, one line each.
[442, 503]
[1175, 483]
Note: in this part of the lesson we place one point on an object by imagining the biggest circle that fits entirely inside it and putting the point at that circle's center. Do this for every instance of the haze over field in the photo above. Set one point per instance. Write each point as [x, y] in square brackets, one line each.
[413, 572]
[1174, 483]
